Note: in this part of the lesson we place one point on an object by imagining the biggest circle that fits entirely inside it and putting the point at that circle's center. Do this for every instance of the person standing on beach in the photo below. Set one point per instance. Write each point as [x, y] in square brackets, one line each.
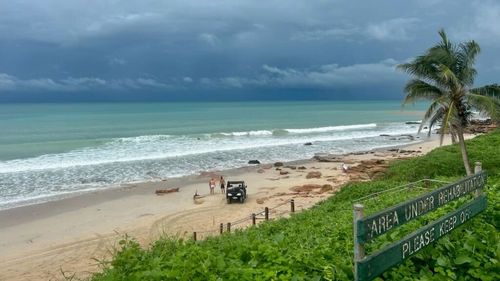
[211, 184]
[344, 168]
[222, 184]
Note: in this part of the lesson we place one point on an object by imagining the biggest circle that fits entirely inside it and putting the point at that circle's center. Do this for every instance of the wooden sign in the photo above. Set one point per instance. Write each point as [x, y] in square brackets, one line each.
[368, 228]
[381, 222]
[395, 253]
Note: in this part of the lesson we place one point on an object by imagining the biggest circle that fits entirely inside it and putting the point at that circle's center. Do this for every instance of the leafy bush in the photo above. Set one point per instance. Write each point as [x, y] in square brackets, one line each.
[317, 244]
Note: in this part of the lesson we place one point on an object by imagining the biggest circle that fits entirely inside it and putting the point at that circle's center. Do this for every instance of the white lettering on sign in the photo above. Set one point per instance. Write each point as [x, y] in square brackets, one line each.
[383, 223]
[423, 239]
[447, 225]
[419, 207]
[460, 189]
[465, 215]
[418, 242]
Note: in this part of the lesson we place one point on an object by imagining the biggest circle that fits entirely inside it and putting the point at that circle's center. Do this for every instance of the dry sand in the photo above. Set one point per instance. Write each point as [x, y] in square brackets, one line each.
[39, 242]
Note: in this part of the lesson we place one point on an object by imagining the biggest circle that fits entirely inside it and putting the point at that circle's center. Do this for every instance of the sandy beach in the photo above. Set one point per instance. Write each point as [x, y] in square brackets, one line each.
[39, 242]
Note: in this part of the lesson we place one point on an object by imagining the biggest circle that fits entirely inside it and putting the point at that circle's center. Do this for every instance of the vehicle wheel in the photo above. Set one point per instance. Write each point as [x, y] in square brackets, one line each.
[228, 200]
[242, 199]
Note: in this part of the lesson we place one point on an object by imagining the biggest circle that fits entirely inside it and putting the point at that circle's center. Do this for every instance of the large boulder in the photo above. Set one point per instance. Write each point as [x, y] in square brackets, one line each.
[254, 162]
[480, 126]
[326, 188]
[376, 171]
[323, 157]
[359, 176]
[305, 188]
[313, 174]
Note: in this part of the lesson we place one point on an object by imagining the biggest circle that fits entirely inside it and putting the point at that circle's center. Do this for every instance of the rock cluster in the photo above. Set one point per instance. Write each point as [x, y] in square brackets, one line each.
[306, 188]
[400, 137]
[325, 157]
[166, 190]
[313, 174]
[480, 126]
[368, 169]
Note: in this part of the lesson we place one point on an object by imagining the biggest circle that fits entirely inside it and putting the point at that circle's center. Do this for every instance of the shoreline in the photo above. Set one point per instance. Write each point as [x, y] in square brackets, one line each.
[38, 240]
[42, 200]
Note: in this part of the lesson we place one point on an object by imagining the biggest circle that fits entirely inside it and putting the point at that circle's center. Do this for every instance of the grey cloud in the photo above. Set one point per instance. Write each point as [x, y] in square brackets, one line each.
[333, 75]
[60, 45]
[482, 25]
[10, 82]
[334, 33]
[324, 76]
[395, 29]
[80, 83]
[70, 22]
[7, 82]
[398, 29]
[150, 83]
[117, 61]
[71, 84]
[208, 38]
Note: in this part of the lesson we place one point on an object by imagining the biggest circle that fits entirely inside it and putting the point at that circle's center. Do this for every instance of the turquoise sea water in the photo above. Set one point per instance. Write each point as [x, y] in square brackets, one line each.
[48, 150]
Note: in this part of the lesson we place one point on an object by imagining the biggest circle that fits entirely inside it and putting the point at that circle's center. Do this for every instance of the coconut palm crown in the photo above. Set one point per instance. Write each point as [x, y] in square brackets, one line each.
[445, 74]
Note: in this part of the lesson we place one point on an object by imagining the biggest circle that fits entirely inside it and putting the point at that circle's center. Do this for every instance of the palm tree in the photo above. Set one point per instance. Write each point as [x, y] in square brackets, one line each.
[445, 74]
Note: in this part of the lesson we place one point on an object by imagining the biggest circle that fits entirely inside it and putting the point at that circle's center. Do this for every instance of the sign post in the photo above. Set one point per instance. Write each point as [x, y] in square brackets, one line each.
[477, 169]
[359, 249]
[370, 227]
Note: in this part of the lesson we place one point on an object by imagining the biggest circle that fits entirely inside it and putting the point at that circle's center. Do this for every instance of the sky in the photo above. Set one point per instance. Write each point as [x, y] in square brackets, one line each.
[112, 50]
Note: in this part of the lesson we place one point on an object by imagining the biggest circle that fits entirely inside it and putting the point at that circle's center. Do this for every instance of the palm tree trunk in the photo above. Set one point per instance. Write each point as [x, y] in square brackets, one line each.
[463, 149]
[453, 137]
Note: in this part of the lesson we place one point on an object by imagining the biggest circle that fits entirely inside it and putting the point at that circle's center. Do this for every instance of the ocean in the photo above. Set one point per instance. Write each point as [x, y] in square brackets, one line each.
[48, 151]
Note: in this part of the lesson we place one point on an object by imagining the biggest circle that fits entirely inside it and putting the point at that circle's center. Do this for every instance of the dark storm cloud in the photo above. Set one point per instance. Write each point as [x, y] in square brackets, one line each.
[339, 48]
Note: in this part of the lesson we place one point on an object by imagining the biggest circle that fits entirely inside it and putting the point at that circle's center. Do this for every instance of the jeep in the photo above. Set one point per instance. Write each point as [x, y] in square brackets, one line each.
[236, 190]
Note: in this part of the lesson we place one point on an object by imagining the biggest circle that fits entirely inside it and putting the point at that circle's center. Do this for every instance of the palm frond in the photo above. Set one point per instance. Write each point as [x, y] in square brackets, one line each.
[417, 89]
[466, 57]
[448, 77]
[421, 67]
[430, 114]
[486, 105]
[436, 118]
[445, 43]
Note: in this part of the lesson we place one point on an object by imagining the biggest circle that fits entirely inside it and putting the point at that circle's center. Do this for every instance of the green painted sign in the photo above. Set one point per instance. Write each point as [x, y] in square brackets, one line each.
[381, 222]
[377, 263]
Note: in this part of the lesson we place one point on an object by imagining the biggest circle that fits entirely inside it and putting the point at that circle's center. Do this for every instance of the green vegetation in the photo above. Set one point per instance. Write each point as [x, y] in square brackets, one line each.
[445, 75]
[317, 244]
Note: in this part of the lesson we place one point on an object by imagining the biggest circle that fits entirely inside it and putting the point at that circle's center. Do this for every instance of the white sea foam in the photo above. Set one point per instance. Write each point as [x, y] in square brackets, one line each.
[125, 160]
[167, 146]
[331, 128]
[249, 133]
[298, 131]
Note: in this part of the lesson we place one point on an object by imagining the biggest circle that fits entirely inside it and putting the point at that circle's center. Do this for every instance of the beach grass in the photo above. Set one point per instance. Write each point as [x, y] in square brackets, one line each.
[317, 244]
